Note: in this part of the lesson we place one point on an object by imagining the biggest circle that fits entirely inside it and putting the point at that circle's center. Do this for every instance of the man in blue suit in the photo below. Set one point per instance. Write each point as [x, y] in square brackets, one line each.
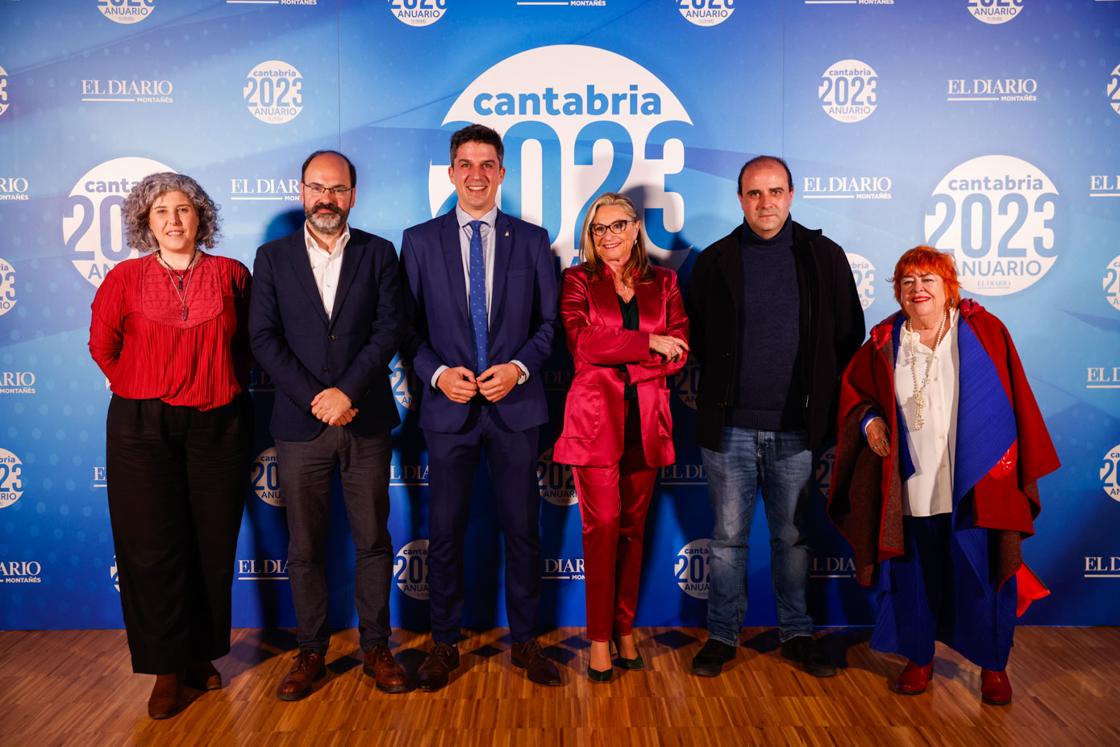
[482, 304]
[326, 318]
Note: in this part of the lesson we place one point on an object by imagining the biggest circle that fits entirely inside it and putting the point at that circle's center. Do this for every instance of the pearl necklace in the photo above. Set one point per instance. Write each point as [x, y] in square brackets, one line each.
[919, 390]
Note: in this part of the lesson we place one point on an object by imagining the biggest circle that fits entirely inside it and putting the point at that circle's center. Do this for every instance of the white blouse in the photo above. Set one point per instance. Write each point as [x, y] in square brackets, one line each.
[929, 491]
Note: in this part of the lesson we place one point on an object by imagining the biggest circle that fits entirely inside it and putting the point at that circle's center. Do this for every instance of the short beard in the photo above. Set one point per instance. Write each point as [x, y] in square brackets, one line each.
[330, 224]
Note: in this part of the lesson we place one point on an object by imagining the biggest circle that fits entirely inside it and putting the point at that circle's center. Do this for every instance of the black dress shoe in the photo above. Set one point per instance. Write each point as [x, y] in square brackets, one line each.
[540, 668]
[599, 675]
[810, 654]
[709, 662]
[437, 668]
[632, 664]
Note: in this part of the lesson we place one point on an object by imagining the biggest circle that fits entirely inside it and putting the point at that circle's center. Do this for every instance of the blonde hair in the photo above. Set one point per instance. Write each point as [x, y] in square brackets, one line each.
[638, 264]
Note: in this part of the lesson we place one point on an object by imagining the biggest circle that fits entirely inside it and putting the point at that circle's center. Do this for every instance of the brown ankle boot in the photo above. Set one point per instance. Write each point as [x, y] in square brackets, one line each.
[203, 676]
[167, 696]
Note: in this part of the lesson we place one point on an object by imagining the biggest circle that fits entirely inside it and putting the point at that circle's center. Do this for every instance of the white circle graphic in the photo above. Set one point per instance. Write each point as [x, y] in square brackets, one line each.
[556, 482]
[273, 92]
[578, 121]
[265, 478]
[692, 568]
[418, 13]
[994, 12]
[7, 286]
[92, 226]
[1113, 90]
[410, 569]
[706, 13]
[1110, 281]
[126, 11]
[403, 381]
[863, 272]
[3, 90]
[1110, 473]
[848, 91]
[997, 215]
[11, 478]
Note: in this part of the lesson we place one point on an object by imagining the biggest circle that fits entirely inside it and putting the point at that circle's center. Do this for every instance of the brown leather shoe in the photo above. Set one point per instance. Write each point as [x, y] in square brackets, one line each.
[307, 670]
[167, 696]
[203, 676]
[437, 668]
[540, 668]
[386, 672]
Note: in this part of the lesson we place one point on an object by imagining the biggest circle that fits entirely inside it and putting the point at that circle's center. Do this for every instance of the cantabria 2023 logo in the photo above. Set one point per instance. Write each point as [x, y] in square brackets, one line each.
[1001, 218]
[706, 12]
[692, 568]
[265, 478]
[410, 569]
[418, 13]
[7, 286]
[92, 226]
[11, 478]
[863, 272]
[995, 11]
[3, 90]
[555, 480]
[578, 121]
[126, 11]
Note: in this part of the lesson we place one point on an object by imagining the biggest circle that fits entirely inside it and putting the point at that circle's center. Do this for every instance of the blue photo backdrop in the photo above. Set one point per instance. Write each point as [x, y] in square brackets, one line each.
[986, 127]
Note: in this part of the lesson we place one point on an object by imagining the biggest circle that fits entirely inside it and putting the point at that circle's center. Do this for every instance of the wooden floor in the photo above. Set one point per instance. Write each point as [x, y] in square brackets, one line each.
[76, 688]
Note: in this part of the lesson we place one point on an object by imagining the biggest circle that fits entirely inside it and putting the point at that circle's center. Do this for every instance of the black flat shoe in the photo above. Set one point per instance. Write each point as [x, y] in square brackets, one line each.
[631, 664]
[597, 675]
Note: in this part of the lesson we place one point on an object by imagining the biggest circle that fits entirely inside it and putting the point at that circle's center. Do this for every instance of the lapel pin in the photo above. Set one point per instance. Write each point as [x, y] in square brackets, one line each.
[507, 234]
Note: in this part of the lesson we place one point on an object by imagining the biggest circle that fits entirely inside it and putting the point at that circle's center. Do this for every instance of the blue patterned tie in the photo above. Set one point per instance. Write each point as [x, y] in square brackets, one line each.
[478, 299]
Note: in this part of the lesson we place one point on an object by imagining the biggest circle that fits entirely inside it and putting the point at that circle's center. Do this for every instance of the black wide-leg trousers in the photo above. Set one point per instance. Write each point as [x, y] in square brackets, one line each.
[177, 479]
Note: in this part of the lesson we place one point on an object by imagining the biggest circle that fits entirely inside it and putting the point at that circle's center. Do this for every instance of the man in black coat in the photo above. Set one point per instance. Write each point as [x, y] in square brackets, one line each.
[775, 318]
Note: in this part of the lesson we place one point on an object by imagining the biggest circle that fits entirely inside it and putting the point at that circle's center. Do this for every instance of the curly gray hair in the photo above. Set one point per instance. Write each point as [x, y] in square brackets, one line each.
[134, 212]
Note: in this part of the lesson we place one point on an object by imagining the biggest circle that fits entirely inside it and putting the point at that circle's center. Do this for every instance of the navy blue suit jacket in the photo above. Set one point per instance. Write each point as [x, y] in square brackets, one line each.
[522, 315]
[305, 352]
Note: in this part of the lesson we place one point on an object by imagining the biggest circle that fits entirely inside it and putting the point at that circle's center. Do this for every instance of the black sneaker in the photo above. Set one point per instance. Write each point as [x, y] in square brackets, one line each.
[810, 654]
[709, 662]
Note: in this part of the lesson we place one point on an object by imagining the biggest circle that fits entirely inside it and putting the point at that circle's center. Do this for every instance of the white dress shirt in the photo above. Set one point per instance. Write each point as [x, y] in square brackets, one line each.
[326, 266]
[487, 231]
[929, 491]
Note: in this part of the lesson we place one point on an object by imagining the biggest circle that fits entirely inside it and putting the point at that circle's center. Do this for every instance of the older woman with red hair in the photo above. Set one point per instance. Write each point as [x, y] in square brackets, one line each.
[940, 447]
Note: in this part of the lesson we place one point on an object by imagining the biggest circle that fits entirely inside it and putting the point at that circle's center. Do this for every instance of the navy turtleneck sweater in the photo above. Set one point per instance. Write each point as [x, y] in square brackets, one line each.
[768, 394]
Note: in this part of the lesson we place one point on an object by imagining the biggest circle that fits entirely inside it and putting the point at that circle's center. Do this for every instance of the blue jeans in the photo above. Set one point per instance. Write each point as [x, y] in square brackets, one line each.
[781, 463]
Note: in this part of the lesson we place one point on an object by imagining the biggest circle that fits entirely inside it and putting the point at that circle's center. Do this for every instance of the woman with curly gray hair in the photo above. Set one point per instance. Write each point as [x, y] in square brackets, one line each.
[169, 332]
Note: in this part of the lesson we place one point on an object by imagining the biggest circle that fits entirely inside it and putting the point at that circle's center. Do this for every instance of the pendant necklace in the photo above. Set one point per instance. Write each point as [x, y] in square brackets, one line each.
[180, 289]
[919, 391]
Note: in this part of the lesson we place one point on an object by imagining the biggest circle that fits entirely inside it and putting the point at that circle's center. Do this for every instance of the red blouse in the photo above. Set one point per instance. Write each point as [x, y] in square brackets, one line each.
[139, 338]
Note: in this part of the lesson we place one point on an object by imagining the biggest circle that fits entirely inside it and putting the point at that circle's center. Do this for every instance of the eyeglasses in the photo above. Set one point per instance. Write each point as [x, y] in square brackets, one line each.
[318, 190]
[598, 229]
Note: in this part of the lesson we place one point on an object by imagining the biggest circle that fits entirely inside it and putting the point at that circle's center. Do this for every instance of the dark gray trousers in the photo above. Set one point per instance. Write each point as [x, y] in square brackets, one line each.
[306, 468]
